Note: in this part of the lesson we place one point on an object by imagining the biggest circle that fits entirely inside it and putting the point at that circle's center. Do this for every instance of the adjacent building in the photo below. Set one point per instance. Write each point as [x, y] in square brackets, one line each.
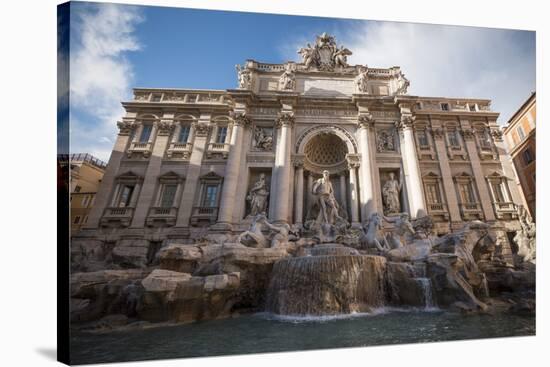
[86, 173]
[520, 136]
[185, 161]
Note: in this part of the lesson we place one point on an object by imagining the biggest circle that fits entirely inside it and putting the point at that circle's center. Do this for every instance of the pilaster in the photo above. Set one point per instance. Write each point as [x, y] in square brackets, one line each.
[446, 173]
[481, 184]
[163, 130]
[187, 201]
[126, 126]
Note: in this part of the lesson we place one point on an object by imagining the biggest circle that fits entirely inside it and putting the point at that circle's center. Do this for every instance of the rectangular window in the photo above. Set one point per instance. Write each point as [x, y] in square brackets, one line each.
[156, 97]
[432, 191]
[453, 138]
[445, 106]
[418, 105]
[423, 139]
[85, 201]
[77, 219]
[527, 156]
[77, 188]
[466, 193]
[145, 133]
[472, 107]
[168, 194]
[485, 141]
[184, 134]
[125, 196]
[521, 133]
[210, 196]
[497, 192]
[222, 133]
[85, 219]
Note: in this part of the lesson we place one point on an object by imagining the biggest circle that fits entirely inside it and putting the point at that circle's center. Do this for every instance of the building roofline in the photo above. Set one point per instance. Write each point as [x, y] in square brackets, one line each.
[520, 109]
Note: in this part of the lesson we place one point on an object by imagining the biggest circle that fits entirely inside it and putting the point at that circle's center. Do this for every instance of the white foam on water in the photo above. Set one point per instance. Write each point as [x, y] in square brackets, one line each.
[298, 319]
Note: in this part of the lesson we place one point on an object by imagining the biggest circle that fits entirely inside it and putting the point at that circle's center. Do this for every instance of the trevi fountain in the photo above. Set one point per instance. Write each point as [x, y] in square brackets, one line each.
[329, 209]
[277, 288]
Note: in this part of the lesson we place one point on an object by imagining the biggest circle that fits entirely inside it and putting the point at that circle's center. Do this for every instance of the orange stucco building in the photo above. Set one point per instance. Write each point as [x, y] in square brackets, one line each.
[521, 140]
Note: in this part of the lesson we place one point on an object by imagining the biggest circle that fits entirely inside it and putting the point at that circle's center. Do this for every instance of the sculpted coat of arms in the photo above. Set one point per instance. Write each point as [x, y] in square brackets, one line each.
[325, 54]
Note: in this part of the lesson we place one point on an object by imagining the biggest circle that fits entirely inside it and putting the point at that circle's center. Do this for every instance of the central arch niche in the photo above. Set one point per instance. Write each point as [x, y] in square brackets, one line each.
[325, 151]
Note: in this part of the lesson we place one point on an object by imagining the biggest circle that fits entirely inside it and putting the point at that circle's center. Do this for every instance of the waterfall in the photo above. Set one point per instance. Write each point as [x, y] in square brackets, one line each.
[327, 284]
[426, 286]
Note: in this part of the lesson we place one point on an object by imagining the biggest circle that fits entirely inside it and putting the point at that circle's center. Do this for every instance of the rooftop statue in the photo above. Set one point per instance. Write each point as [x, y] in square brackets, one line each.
[361, 80]
[244, 78]
[402, 84]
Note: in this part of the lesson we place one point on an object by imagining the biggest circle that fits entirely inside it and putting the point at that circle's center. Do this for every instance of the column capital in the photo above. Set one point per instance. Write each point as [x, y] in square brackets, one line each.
[468, 134]
[365, 120]
[496, 134]
[438, 132]
[126, 126]
[240, 118]
[406, 121]
[353, 160]
[285, 119]
[201, 128]
[165, 127]
[298, 161]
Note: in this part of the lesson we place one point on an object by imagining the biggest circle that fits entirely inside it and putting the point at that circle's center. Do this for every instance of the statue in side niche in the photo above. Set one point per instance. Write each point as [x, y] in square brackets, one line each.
[263, 140]
[390, 193]
[258, 196]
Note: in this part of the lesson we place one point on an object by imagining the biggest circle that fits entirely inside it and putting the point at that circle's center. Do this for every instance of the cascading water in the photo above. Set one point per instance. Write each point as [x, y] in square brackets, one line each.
[426, 286]
[332, 280]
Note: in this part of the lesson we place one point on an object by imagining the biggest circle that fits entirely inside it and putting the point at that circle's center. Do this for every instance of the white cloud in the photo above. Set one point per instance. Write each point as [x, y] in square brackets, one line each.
[449, 61]
[101, 76]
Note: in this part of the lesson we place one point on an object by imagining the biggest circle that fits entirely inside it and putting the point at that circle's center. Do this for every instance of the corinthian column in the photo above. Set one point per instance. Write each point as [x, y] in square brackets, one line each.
[354, 193]
[299, 190]
[282, 167]
[410, 166]
[231, 178]
[365, 123]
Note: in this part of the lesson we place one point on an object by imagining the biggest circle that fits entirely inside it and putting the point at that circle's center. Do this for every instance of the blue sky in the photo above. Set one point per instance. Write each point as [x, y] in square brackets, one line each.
[117, 47]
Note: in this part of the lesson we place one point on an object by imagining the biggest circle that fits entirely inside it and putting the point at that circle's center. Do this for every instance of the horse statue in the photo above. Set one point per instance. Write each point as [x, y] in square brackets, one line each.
[253, 237]
[370, 236]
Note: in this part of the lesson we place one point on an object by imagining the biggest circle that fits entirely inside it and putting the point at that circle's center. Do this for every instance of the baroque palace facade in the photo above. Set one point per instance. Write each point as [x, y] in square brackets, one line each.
[191, 162]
